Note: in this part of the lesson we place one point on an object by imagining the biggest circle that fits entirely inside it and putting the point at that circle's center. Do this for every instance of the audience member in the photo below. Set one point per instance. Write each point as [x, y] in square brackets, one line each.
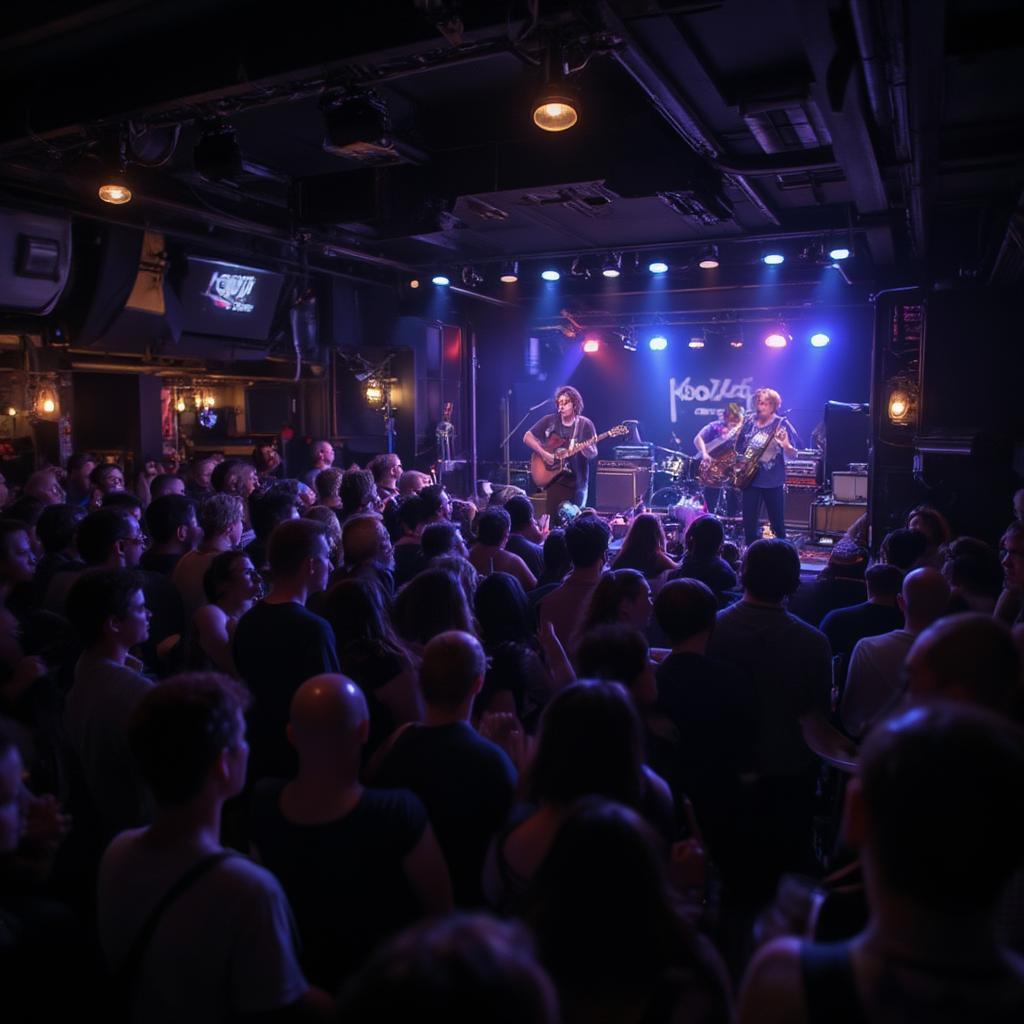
[431, 603]
[839, 585]
[44, 486]
[386, 470]
[586, 540]
[231, 584]
[358, 494]
[905, 549]
[166, 483]
[279, 643]
[929, 953]
[875, 676]
[220, 518]
[322, 455]
[464, 969]
[609, 928]
[525, 538]
[621, 595]
[974, 575]
[266, 512]
[220, 945]
[466, 782]
[108, 610]
[643, 548]
[789, 664]
[367, 552]
[328, 487]
[488, 554]
[934, 525]
[409, 556]
[357, 864]
[173, 530]
[77, 482]
[440, 539]
[878, 614]
[702, 558]
[56, 528]
[1010, 606]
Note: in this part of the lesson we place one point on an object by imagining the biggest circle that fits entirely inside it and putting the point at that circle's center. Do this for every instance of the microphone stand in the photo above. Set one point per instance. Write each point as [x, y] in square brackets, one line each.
[508, 436]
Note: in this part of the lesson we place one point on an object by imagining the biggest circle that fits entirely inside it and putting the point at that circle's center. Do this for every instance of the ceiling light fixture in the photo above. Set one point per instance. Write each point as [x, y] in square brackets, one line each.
[114, 188]
[591, 345]
[510, 272]
[441, 280]
[778, 338]
[820, 340]
[612, 265]
[658, 343]
[709, 258]
[773, 259]
[550, 274]
[557, 107]
[658, 267]
[840, 252]
[696, 343]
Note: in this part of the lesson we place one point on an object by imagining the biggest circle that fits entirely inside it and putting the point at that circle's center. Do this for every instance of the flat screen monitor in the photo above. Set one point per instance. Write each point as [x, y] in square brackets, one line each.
[228, 299]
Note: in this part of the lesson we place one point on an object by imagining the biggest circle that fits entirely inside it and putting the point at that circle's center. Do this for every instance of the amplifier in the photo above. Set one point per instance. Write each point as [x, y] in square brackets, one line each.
[835, 517]
[629, 464]
[797, 508]
[617, 486]
[850, 486]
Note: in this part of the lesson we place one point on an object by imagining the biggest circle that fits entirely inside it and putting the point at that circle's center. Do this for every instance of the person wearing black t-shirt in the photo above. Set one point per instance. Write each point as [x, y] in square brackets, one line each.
[278, 644]
[466, 782]
[570, 426]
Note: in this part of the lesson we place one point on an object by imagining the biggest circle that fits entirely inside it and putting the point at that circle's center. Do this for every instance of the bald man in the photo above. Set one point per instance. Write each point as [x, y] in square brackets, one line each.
[969, 657]
[368, 552]
[357, 864]
[875, 677]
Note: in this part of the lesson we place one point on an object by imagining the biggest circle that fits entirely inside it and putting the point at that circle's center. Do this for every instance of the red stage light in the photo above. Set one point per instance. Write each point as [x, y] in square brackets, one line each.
[591, 345]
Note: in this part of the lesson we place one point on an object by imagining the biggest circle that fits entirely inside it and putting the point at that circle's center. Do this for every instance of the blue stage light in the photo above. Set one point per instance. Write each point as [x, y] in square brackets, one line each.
[773, 259]
[550, 275]
[839, 253]
[658, 267]
[658, 343]
[820, 340]
[440, 279]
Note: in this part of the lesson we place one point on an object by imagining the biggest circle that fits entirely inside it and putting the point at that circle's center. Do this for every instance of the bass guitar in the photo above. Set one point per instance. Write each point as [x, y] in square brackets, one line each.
[544, 475]
[718, 472]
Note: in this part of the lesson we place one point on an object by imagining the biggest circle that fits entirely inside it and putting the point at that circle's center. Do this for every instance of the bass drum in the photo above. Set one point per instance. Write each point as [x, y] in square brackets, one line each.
[667, 497]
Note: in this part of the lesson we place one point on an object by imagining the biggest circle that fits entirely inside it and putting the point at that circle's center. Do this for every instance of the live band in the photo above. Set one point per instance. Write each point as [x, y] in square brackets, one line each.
[741, 467]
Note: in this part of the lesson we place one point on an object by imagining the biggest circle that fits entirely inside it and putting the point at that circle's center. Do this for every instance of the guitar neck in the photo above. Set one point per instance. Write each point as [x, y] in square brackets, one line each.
[580, 445]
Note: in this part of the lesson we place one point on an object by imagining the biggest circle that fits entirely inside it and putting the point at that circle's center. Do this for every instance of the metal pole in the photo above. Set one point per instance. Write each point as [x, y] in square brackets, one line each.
[472, 412]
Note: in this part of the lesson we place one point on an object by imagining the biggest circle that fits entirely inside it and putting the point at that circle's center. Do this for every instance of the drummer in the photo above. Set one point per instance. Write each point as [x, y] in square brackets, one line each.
[713, 443]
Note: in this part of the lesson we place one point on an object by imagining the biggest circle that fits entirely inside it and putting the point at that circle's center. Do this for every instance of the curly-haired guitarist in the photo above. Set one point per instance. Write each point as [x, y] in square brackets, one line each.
[761, 469]
[571, 427]
[716, 446]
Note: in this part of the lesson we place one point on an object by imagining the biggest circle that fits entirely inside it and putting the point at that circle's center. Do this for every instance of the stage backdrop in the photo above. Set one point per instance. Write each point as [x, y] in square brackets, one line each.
[675, 392]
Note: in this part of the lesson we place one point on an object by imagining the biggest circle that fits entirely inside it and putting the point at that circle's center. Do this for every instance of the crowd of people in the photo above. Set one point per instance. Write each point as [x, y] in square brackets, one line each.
[344, 747]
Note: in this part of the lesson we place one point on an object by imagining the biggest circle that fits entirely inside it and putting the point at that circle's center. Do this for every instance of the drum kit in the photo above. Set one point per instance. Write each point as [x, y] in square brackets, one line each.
[678, 493]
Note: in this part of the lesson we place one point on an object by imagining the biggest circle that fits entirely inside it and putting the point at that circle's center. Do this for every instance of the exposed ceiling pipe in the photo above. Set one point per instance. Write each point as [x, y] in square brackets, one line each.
[865, 28]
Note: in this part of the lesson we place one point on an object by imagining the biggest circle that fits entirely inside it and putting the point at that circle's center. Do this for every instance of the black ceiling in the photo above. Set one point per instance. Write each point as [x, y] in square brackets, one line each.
[895, 122]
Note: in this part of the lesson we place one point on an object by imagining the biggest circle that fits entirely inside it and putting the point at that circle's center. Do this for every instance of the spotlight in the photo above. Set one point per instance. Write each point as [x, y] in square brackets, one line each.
[373, 393]
[550, 275]
[820, 340]
[736, 343]
[179, 405]
[115, 190]
[414, 283]
[628, 340]
[658, 343]
[471, 277]
[696, 343]
[776, 340]
[11, 411]
[591, 345]
[441, 280]
[773, 259]
[841, 252]
[709, 258]
[612, 265]
[510, 272]
[556, 109]
[902, 404]
[658, 267]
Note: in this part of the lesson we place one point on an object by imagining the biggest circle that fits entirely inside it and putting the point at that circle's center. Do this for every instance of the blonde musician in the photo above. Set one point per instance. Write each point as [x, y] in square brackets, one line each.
[561, 429]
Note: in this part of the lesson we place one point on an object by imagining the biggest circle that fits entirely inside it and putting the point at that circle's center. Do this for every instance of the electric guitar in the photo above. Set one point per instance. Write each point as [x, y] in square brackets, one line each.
[748, 462]
[544, 475]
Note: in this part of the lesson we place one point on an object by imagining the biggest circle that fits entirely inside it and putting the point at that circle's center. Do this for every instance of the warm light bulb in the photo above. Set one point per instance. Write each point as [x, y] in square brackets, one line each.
[374, 393]
[180, 405]
[11, 411]
[49, 405]
[555, 114]
[115, 193]
[899, 405]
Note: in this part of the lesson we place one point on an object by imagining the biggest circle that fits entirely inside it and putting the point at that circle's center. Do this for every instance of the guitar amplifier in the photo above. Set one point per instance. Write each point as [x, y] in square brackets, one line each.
[797, 508]
[850, 486]
[616, 487]
[835, 518]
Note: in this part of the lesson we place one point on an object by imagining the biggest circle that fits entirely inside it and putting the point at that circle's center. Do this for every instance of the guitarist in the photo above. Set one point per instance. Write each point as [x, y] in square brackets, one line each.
[766, 432]
[715, 442]
[571, 427]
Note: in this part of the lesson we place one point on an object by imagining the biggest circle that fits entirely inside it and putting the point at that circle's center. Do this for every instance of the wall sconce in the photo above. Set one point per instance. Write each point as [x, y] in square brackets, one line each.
[46, 403]
[179, 405]
[374, 392]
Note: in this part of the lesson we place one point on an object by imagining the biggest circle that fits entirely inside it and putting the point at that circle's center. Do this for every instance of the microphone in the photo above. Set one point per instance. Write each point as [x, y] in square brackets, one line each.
[534, 408]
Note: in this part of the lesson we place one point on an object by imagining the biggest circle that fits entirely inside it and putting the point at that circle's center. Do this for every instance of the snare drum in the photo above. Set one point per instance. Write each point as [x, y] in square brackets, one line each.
[667, 497]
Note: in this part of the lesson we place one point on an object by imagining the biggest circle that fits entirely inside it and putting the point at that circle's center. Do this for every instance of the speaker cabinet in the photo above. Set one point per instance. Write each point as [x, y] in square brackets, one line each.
[836, 518]
[798, 506]
[617, 488]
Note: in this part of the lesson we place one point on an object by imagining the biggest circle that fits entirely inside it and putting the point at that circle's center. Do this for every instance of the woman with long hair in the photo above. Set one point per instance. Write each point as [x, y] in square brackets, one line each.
[609, 928]
[622, 596]
[370, 652]
[643, 548]
[590, 743]
[432, 602]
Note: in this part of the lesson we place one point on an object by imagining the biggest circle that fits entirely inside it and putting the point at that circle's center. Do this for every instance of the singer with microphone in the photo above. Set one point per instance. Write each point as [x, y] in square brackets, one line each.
[570, 427]
[761, 469]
